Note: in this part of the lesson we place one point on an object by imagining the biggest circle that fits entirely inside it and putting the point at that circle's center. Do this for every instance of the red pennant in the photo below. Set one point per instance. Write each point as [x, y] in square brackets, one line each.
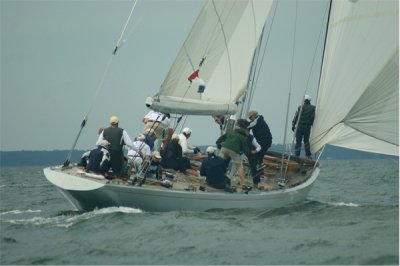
[193, 75]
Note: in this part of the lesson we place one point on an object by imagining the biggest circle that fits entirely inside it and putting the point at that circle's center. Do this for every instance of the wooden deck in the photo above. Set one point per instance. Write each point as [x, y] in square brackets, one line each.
[297, 171]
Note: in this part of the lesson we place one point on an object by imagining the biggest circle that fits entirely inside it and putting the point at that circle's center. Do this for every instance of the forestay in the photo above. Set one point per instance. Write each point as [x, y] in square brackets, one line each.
[220, 45]
[357, 105]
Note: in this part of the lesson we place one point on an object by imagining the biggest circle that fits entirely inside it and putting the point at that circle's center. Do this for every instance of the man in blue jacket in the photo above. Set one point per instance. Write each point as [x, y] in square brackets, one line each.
[214, 169]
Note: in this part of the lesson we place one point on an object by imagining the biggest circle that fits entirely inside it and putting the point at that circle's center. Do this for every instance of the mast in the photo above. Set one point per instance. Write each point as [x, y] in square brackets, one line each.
[323, 53]
[244, 104]
[320, 72]
[253, 74]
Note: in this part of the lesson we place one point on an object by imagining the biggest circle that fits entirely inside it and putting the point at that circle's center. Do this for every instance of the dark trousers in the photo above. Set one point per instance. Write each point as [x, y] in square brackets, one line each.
[253, 160]
[116, 161]
[303, 134]
[265, 144]
[177, 164]
[220, 185]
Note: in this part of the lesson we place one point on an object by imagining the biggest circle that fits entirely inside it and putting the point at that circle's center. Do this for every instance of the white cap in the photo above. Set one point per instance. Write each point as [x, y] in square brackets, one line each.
[148, 101]
[187, 130]
[307, 97]
[114, 120]
[175, 136]
[156, 154]
[104, 143]
[251, 113]
[141, 137]
[210, 149]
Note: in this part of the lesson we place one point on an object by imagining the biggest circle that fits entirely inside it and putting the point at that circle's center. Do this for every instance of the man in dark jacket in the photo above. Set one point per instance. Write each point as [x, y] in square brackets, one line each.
[261, 132]
[98, 160]
[214, 169]
[172, 156]
[304, 124]
[117, 137]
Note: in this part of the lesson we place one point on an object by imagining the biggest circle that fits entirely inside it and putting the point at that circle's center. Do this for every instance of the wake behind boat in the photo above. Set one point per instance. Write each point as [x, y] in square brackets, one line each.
[215, 73]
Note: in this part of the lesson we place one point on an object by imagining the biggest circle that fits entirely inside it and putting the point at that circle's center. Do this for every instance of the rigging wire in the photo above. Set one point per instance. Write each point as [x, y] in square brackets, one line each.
[248, 94]
[327, 12]
[212, 40]
[124, 29]
[100, 85]
[210, 43]
[256, 69]
[289, 94]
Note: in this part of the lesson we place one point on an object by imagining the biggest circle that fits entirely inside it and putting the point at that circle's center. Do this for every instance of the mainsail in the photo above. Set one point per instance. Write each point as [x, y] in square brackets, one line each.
[358, 97]
[211, 71]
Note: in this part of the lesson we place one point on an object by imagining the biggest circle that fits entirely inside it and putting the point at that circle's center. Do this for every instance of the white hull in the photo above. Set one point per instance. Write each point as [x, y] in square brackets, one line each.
[88, 193]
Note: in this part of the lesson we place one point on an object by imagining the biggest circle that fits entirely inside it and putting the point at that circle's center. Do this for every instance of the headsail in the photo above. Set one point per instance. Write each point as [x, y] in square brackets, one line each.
[358, 97]
[220, 45]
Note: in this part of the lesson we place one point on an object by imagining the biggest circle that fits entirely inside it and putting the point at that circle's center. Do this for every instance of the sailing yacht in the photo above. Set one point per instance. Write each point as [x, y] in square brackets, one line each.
[213, 74]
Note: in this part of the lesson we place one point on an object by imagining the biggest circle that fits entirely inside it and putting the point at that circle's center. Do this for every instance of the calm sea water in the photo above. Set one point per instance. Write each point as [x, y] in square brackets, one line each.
[351, 217]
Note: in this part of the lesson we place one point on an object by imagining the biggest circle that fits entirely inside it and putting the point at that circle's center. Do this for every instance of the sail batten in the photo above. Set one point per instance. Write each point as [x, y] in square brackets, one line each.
[360, 79]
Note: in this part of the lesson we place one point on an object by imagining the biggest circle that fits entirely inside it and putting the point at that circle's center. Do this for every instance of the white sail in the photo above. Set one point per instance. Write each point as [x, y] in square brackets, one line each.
[224, 36]
[358, 97]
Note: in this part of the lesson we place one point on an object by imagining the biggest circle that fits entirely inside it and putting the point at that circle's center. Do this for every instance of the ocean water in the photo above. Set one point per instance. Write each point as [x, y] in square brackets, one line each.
[351, 217]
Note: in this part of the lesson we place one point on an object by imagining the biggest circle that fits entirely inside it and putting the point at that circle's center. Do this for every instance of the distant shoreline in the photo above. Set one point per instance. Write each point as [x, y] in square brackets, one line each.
[57, 157]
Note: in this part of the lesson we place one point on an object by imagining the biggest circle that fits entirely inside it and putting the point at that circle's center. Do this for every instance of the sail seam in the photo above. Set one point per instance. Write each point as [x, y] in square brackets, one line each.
[324, 133]
[227, 50]
[369, 135]
[362, 17]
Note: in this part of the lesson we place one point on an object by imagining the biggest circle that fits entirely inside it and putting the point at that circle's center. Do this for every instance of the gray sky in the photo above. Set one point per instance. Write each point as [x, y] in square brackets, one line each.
[54, 54]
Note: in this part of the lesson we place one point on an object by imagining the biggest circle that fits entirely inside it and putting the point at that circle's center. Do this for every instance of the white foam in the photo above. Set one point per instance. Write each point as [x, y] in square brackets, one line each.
[69, 220]
[58, 221]
[117, 209]
[19, 212]
[88, 215]
[350, 204]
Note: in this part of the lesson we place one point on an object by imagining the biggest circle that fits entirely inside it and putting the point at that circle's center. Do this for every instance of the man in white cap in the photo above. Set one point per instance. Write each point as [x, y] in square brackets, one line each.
[138, 155]
[117, 137]
[97, 160]
[214, 169]
[303, 123]
[183, 141]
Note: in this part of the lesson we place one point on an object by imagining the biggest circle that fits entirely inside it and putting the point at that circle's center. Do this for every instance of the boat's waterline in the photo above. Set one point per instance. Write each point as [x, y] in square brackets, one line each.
[87, 194]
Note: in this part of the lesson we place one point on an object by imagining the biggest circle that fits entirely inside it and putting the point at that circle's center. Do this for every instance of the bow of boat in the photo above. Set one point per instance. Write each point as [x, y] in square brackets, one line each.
[71, 179]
